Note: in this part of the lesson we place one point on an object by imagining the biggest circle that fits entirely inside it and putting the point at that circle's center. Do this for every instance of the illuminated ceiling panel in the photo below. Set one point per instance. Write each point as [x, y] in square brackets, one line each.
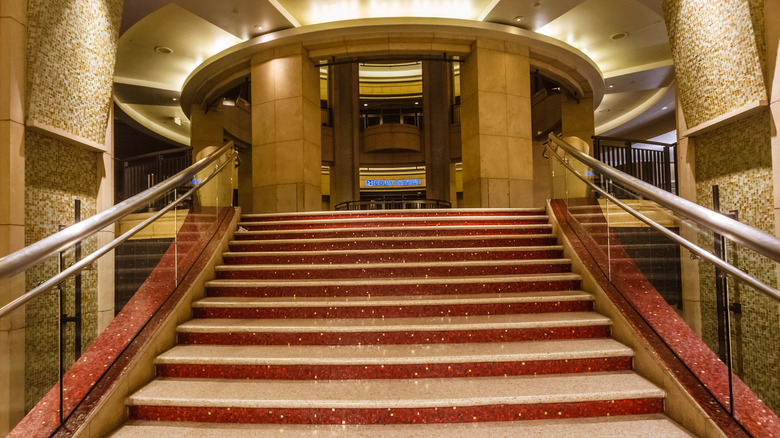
[321, 11]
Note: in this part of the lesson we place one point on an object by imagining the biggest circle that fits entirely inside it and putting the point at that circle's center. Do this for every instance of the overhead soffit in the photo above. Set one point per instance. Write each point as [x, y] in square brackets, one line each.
[195, 29]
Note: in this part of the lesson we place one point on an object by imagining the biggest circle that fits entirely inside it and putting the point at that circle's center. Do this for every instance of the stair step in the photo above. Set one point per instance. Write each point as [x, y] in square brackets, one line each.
[397, 400]
[393, 255]
[387, 307]
[653, 425]
[394, 270]
[398, 286]
[262, 217]
[394, 361]
[397, 222]
[395, 231]
[351, 243]
[428, 330]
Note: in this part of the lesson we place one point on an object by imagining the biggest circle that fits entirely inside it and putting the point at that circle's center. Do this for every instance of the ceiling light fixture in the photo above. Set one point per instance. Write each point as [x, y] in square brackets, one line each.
[618, 36]
[163, 50]
[258, 27]
[611, 85]
[664, 108]
[519, 18]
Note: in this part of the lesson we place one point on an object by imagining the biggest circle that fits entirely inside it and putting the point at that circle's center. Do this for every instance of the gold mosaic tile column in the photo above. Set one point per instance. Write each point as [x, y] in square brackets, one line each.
[727, 139]
[496, 126]
[286, 131]
[13, 40]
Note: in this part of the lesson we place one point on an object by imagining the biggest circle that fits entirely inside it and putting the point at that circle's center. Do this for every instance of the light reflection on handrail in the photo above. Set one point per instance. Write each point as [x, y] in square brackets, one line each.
[27, 257]
[731, 269]
[86, 261]
[743, 234]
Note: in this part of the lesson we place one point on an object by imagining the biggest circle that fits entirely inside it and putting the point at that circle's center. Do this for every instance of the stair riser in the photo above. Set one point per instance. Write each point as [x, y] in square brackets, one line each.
[400, 243]
[392, 311]
[394, 257]
[399, 223]
[381, 232]
[391, 371]
[406, 213]
[446, 414]
[400, 337]
[391, 289]
[399, 272]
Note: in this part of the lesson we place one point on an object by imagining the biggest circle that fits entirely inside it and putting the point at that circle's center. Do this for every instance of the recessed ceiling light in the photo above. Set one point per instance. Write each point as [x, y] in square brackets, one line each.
[611, 85]
[175, 99]
[365, 104]
[664, 108]
[163, 50]
[258, 27]
[519, 18]
[618, 36]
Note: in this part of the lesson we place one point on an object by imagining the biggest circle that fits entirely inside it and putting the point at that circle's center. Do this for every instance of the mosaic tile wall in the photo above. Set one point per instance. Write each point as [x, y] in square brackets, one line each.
[56, 175]
[71, 57]
[718, 49]
[737, 157]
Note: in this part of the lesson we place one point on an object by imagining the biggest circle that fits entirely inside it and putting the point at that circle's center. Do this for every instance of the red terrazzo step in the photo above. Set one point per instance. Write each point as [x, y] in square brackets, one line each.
[394, 361]
[374, 331]
[390, 307]
[393, 255]
[394, 401]
[392, 270]
[398, 286]
[337, 244]
[393, 222]
[392, 213]
[397, 232]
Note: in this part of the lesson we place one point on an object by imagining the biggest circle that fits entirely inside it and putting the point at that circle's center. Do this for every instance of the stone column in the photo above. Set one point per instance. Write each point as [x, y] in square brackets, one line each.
[207, 128]
[105, 200]
[345, 172]
[436, 128]
[496, 126]
[286, 131]
[13, 49]
[577, 119]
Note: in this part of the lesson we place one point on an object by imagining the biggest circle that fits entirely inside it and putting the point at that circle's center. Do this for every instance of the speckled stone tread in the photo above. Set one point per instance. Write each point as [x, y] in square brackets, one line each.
[396, 393]
[394, 354]
[644, 426]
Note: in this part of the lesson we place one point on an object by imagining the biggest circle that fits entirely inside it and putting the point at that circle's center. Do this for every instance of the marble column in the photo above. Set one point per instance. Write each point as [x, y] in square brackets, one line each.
[496, 125]
[286, 131]
[13, 49]
[436, 128]
[345, 172]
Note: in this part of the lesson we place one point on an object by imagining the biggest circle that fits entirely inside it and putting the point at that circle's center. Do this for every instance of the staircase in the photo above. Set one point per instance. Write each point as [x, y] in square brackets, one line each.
[415, 323]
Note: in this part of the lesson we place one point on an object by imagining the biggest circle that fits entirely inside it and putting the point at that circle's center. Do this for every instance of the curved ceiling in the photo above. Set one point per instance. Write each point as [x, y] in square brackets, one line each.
[163, 41]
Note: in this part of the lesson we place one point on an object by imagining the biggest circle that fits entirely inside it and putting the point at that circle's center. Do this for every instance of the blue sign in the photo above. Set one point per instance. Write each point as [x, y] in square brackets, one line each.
[393, 182]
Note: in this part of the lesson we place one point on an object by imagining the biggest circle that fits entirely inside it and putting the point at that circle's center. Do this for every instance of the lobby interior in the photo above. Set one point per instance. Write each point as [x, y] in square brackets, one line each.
[339, 102]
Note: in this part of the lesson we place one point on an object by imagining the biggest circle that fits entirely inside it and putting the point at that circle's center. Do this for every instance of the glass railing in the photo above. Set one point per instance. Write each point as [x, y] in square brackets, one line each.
[113, 269]
[704, 282]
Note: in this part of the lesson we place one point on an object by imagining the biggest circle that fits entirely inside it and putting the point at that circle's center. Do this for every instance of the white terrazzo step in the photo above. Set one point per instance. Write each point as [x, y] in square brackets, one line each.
[385, 219]
[422, 211]
[649, 426]
[477, 228]
[400, 251]
[394, 354]
[395, 393]
[376, 301]
[412, 265]
[368, 325]
[481, 279]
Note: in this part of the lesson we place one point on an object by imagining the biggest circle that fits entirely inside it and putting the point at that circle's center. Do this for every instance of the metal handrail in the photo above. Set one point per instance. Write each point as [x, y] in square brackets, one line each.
[100, 252]
[27, 257]
[743, 234]
[710, 257]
